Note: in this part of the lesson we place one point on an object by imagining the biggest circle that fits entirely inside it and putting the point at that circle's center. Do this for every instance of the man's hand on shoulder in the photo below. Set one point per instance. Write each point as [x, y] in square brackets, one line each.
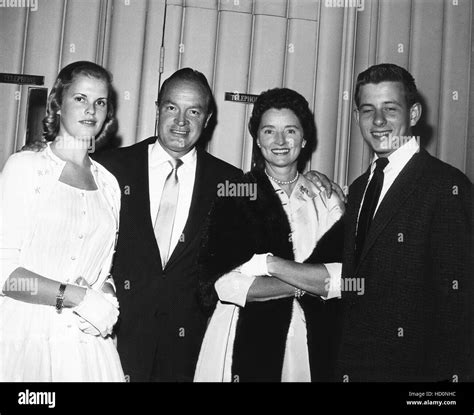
[322, 182]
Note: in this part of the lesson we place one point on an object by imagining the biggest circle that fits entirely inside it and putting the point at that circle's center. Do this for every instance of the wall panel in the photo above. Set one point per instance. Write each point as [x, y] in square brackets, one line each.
[267, 64]
[393, 28]
[231, 75]
[195, 35]
[470, 108]
[268, 54]
[45, 23]
[304, 9]
[365, 53]
[150, 70]
[240, 6]
[80, 44]
[203, 4]
[454, 93]
[345, 99]
[426, 58]
[12, 38]
[328, 93]
[106, 31]
[271, 7]
[172, 39]
[300, 73]
[125, 62]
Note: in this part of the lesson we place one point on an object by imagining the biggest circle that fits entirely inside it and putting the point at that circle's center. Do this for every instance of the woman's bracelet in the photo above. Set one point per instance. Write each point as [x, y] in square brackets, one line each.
[60, 298]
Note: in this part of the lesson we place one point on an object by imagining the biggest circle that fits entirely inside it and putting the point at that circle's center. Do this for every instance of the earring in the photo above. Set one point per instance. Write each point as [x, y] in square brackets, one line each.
[303, 144]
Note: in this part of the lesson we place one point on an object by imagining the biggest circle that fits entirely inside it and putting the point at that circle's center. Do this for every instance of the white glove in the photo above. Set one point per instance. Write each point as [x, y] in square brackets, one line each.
[82, 324]
[100, 311]
[87, 327]
[256, 266]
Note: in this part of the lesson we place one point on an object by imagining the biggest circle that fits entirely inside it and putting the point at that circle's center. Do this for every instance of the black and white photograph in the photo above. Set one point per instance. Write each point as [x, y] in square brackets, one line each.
[237, 191]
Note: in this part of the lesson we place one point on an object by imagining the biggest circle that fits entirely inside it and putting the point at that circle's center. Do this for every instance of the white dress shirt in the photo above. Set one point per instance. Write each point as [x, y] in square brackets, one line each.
[158, 169]
[396, 162]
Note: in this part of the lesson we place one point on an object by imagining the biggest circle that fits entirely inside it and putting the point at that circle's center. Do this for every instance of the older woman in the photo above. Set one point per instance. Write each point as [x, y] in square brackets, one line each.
[273, 320]
[60, 213]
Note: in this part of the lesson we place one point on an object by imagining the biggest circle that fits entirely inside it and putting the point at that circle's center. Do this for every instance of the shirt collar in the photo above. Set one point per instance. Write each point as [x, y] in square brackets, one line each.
[159, 156]
[400, 157]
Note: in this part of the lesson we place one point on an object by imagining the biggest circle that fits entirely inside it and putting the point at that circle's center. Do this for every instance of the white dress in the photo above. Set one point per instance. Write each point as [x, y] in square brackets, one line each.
[311, 214]
[71, 239]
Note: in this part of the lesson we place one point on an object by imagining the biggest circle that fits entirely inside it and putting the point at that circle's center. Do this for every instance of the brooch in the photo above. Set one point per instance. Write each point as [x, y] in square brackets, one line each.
[304, 190]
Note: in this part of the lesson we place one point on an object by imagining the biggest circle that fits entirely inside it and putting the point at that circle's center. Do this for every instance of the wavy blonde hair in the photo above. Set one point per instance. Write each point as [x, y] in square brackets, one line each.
[64, 80]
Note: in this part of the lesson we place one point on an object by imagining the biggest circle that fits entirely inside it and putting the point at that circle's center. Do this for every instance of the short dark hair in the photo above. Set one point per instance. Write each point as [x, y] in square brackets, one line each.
[65, 78]
[189, 74]
[388, 72]
[280, 98]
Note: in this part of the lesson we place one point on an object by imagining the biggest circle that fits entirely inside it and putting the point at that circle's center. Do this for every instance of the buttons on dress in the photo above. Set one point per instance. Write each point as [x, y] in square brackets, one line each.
[81, 236]
[73, 258]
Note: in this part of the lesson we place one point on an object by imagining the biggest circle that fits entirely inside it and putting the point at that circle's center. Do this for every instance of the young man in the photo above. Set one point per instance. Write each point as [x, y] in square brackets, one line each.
[409, 238]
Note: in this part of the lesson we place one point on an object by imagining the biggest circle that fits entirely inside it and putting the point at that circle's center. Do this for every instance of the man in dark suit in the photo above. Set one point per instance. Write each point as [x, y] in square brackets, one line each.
[161, 324]
[408, 238]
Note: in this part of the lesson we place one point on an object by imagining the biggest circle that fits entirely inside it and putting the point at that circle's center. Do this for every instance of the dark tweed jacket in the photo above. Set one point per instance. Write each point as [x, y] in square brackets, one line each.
[412, 324]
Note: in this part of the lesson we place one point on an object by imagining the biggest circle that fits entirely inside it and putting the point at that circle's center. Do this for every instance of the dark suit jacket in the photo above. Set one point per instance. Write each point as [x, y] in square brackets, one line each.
[161, 324]
[411, 324]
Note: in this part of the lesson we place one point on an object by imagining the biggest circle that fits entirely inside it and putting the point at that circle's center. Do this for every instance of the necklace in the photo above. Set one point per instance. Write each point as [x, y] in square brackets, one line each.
[281, 181]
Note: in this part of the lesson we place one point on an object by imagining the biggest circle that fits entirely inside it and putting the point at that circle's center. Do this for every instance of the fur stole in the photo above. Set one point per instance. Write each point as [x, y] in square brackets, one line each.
[237, 228]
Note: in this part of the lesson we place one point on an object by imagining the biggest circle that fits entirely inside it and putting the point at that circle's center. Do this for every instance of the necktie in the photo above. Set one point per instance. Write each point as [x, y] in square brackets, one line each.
[371, 199]
[167, 211]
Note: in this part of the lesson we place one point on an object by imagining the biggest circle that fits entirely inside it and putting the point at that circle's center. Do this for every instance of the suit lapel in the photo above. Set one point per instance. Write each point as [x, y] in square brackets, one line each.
[140, 192]
[199, 206]
[403, 186]
[356, 193]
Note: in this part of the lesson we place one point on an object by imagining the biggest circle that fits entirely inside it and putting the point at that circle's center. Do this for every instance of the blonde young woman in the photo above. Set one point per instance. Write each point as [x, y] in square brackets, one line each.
[59, 220]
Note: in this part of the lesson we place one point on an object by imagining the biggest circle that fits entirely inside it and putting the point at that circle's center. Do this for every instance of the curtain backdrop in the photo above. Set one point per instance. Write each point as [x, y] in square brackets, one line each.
[248, 46]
